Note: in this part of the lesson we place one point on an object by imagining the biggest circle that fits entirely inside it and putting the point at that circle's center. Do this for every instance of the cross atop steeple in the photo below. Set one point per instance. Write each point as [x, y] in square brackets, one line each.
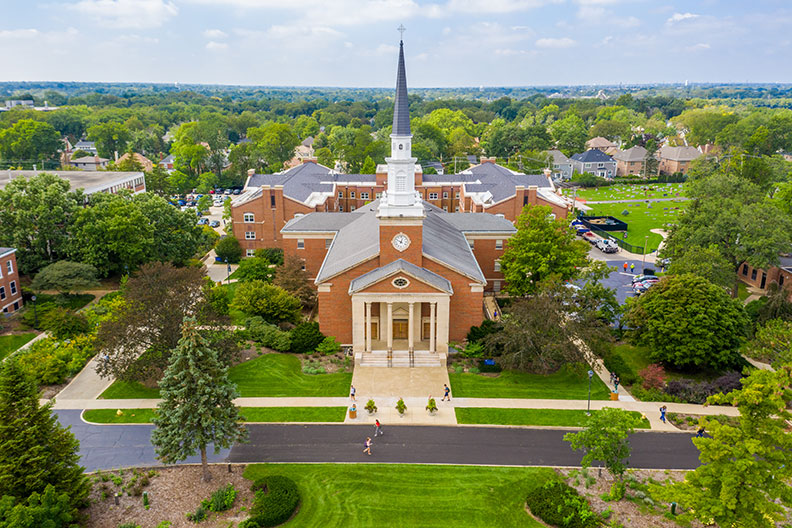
[401, 29]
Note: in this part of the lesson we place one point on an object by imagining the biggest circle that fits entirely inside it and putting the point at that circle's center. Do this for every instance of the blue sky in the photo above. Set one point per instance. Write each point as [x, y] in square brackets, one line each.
[354, 42]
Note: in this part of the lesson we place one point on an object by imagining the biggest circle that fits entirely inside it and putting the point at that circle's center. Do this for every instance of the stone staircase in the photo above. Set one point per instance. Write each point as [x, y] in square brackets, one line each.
[401, 358]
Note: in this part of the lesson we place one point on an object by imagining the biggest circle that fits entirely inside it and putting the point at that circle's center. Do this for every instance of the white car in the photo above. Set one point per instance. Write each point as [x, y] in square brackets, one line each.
[606, 245]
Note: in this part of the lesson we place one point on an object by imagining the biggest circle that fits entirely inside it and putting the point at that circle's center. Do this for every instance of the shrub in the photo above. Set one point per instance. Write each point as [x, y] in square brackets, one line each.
[198, 515]
[253, 268]
[560, 505]
[483, 367]
[270, 302]
[305, 337]
[221, 500]
[272, 255]
[473, 370]
[42, 309]
[312, 367]
[268, 335]
[63, 324]
[50, 361]
[615, 363]
[652, 377]
[401, 406]
[431, 405]
[229, 248]
[277, 498]
[477, 333]
[328, 346]
[370, 407]
[617, 490]
[129, 525]
[690, 391]
[654, 395]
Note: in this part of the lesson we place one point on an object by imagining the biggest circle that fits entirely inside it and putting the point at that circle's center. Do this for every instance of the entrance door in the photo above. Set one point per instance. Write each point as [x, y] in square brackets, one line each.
[399, 329]
[764, 280]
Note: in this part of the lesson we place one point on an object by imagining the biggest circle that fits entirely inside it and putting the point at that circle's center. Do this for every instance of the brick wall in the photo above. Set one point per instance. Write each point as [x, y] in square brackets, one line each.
[11, 293]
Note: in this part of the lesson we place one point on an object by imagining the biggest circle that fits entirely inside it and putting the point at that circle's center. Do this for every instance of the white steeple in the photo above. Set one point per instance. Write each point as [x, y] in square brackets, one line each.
[401, 199]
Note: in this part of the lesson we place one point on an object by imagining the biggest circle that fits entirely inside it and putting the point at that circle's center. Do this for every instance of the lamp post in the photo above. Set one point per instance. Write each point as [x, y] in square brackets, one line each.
[35, 313]
[228, 271]
[643, 265]
[588, 408]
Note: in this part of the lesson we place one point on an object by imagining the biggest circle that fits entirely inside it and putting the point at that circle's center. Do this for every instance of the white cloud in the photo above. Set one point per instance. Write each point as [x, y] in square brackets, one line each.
[18, 33]
[679, 17]
[494, 6]
[699, 47]
[215, 34]
[135, 14]
[216, 46]
[556, 43]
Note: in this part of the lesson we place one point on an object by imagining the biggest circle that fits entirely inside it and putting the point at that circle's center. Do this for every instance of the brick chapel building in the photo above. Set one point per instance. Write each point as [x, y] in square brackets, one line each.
[394, 273]
[10, 289]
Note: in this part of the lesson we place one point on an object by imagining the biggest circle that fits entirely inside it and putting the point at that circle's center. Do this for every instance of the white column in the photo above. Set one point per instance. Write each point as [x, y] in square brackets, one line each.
[389, 329]
[411, 328]
[432, 313]
[442, 324]
[358, 325]
[368, 326]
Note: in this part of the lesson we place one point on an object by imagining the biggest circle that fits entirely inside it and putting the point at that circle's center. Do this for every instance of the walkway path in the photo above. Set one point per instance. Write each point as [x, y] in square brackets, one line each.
[217, 271]
[85, 386]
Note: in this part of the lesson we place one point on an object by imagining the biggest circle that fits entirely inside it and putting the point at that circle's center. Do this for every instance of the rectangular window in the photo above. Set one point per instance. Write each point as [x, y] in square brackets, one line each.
[364, 196]
[13, 288]
[378, 195]
[249, 218]
[10, 266]
[303, 265]
[340, 208]
[753, 274]
[600, 165]
[2, 293]
[445, 196]
[525, 200]
[328, 241]
[433, 196]
[497, 265]
[352, 195]
[250, 252]
[499, 244]
[300, 243]
[456, 209]
[250, 235]
[340, 194]
[351, 208]
[445, 208]
[457, 196]
[588, 165]
[496, 286]
[272, 201]
[745, 269]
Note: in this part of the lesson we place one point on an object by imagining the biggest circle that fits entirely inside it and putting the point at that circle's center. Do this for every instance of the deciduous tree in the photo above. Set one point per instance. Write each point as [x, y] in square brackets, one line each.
[66, 277]
[272, 303]
[292, 277]
[28, 142]
[605, 437]
[708, 263]
[276, 142]
[110, 137]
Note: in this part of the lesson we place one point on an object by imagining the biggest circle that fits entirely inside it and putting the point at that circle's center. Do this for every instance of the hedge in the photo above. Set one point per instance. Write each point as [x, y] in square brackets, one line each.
[276, 500]
[560, 505]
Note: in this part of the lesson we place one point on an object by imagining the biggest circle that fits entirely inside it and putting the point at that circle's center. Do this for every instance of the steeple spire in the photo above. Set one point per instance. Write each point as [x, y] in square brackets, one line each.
[401, 108]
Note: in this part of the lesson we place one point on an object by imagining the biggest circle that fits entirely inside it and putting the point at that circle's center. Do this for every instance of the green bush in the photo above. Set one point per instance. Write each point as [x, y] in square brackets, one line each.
[129, 525]
[329, 346]
[268, 335]
[615, 363]
[477, 333]
[272, 255]
[50, 361]
[200, 514]
[560, 505]
[254, 268]
[30, 315]
[276, 500]
[221, 500]
[472, 350]
[305, 337]
[229, 248]
[63, 324]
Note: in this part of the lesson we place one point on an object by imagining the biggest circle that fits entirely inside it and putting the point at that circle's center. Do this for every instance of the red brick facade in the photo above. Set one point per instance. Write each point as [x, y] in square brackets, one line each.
[10, 289]
[762, 279]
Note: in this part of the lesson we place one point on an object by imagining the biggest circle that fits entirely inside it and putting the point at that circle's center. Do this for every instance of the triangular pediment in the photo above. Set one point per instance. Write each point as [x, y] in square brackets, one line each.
[400, 275]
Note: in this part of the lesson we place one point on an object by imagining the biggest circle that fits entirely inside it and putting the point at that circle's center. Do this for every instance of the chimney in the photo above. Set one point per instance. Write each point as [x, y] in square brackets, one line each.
[309, 159]
[547, 172]
[532, 190]
[116, 155]
[485, 159]
[251, 172]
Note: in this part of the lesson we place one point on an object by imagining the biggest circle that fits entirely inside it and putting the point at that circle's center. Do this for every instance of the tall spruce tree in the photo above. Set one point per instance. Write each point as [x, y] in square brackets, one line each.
[35, 451]
[197, 407]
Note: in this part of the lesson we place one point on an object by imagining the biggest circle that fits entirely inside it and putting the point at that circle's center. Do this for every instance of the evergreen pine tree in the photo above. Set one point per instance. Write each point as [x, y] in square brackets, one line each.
[35, 451]
[197, 407]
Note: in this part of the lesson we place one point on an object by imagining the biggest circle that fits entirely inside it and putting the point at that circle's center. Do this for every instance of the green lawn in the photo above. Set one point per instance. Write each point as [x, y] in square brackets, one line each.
[629, 192]
[549, 417]
[368, 495]
[10, 343]
[642, 219]
[562, 385]
[250, 414]
[742, 291]
[71, 301]
[637, 357]
[268, 375]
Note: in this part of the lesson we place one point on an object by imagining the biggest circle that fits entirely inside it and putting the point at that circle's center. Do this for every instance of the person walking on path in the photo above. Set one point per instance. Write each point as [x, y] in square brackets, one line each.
[352, 393]
[616, 381]
[377, 429]
[663, 413]
[632, 268]
[447, 393]
[625, 267]
[368, 446]
[700, 432]
[612, 377]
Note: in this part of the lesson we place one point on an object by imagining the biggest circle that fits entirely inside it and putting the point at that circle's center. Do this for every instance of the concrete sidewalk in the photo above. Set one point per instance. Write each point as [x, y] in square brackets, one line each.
[87, 385]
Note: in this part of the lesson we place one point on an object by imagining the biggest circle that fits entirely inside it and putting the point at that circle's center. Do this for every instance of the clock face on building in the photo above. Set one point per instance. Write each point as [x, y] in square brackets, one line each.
[401, 242]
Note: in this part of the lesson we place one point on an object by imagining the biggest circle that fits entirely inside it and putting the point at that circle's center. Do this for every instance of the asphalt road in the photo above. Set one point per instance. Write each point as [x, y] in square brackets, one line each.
[114, 446]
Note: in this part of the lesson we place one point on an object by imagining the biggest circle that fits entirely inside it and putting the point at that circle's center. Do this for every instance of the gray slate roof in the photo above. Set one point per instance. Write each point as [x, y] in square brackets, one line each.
[401, 107]
[298, 182]
[4, 251]
[636, 153]
[592, 156]
[401, 265]
[679, 153]
[500, 181]
[558, 156]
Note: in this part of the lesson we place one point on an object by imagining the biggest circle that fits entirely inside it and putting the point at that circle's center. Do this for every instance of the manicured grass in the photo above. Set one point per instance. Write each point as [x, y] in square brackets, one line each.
[637, 357]
[268, 375]
[562, 385]
[630, 192]
[549, 417]
[367, 495]
[250, 414]
[271, 375]
[71, 301]
[10, 343]
[642, 219]
[742, 291]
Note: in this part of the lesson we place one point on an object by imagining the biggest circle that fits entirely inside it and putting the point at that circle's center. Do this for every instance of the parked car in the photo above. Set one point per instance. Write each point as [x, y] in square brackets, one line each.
[606, 245]
[590, 237]
[645, 278]
[181, 203]
[227, 191]
[214, 223]
[211, 191]
[237, 191]
[203, 221]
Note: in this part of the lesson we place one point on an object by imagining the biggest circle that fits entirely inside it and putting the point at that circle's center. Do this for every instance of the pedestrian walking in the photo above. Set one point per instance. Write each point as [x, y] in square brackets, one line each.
[632, 268]
[446, 392]
[625, 267]
[663, 410]
[616, 384]
[612, 377]
[352, 393]
[367, 450]
[700, 432]
[377, 429]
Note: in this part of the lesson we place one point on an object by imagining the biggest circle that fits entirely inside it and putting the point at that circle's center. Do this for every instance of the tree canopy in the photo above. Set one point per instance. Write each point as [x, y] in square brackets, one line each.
[66, 276]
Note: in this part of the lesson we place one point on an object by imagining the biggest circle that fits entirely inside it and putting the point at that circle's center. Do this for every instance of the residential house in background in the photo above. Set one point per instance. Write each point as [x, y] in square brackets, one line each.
[562, 166]
[86, 146]
[595, 162]
[90, 163]
[167, 163]
[142, 160]
[781, 274]
[10, 289]
[676, 159]
[600, 143]
[630, 161]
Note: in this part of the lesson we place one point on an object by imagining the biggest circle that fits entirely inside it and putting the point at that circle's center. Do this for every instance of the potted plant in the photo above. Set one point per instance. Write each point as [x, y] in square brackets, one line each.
[401, 407]
[370, 407]
[431, 406]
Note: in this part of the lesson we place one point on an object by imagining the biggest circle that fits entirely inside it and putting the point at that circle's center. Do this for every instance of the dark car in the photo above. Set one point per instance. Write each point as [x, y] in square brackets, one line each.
[203, 221]
[237, 191]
